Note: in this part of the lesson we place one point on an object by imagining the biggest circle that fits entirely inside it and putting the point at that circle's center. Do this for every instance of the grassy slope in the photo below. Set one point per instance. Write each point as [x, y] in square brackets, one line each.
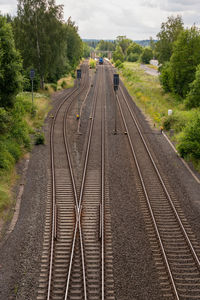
[149, 96]
[8, 177]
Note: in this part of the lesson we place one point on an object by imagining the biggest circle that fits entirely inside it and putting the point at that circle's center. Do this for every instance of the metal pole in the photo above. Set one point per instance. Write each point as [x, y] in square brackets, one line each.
[32, 96]
[115, 130]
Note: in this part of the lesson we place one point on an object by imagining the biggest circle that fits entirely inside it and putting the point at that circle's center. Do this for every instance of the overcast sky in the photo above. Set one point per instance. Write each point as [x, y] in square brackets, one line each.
[106, 19]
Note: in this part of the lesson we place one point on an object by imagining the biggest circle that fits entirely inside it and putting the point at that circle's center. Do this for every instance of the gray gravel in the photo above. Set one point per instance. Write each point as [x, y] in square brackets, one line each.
[134, 270]
[20, 253]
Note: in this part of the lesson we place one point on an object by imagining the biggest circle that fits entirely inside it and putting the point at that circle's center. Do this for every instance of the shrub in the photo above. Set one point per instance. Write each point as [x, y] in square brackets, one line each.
[64, 84]
[133, 57]
[193, 97]
[189, 145]
[92, 64]
[174, 121]
[119, 64]
[165, 77]
[6, 159]
[39, 138]
[54, 86]
[4, 120]
[146, 55]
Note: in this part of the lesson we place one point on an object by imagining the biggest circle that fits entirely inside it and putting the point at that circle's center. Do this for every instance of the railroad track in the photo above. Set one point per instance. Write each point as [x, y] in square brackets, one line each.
[77, 245]
[176, 251]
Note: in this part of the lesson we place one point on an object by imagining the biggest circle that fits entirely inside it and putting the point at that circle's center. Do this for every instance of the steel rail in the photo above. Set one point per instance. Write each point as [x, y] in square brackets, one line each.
[163, 185]
[53, 220]
[79, 207]
[148, 202]
[102, 199]
[147, 198]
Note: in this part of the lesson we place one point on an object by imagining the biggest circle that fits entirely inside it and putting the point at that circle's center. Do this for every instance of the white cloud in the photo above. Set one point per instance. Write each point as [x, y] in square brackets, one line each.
[138, 19]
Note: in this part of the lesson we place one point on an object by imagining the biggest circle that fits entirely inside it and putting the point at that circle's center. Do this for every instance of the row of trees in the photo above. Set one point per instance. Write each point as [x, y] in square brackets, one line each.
[131, 51]
[177, 50]
[36, 38]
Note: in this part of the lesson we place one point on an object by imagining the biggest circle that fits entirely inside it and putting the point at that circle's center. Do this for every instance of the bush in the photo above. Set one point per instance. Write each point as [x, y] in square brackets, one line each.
[189, 145]
[193, 97]
[146, 55]
[7, 161]
[92, 64]
[64, 84]
[39, 138]
[165, 77]
[4, 120]
[119, 64]
[133, 57]
[54, 86]
[174, 121]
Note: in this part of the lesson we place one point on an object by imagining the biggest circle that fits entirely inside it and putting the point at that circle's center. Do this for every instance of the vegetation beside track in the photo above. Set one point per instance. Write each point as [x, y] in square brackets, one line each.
[183, 124]
[20, 125]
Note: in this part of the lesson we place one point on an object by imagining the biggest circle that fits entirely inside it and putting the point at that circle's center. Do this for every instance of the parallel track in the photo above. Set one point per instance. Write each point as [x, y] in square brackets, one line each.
[75, 262]
[175, 249]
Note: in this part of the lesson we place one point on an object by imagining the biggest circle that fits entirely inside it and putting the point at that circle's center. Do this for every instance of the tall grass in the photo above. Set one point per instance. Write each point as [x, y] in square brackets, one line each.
[15, 141]
[150, 97]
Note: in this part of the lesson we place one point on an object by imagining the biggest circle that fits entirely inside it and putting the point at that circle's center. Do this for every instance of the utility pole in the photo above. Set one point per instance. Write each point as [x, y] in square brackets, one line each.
[115, 85]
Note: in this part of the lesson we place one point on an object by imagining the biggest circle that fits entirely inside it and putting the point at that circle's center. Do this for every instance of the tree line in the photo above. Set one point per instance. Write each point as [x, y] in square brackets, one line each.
[36, 38]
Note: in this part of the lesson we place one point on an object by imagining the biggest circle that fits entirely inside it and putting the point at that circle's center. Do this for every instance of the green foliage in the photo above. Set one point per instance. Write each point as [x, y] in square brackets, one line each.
[124, 43]
[74, 48]
[6, 159]
[184, 60]
[174, 121]
[193, 96]
[92, 64]
[134, 48]
[118, 54]
[133, 57]
[39, 138]
[10, 66]
[118, 64]
[105, 46]
[4, 120]
[169, 33]
[165, 77]
[64, 84]
[47, 44]
[189, 145]
[54, 86]
[146, 55]
[86, 50]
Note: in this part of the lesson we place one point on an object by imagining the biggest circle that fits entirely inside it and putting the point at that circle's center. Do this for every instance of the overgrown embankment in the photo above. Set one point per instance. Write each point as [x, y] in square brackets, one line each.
[19, 128]
[148, 94]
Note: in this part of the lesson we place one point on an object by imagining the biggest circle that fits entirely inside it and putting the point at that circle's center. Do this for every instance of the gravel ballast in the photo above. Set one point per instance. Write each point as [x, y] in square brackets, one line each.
[135, 273]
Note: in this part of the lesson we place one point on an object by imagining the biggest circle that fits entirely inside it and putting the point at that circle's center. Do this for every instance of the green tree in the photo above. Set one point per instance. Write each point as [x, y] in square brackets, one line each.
[123, 42]
[189, 145]
[86, 50]
[10, 66]
[165, 76]
[134, 48]
[146, 55]
[118, 54]
[193, 96]
[74, 48]
[184, 60]
[38, 32]
[169, 33]
[105, 46]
